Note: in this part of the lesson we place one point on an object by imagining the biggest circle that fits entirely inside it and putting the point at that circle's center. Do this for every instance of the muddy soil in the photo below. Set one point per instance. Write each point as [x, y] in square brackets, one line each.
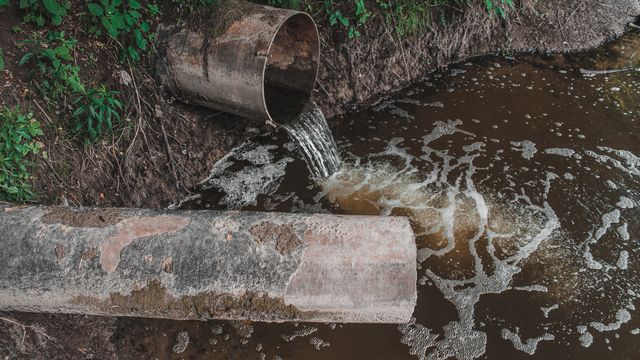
[160, 156]
[354, 72]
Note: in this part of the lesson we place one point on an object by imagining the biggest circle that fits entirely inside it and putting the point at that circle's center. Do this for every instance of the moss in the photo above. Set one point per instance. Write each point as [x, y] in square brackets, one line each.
[154, 301]
[82, 217]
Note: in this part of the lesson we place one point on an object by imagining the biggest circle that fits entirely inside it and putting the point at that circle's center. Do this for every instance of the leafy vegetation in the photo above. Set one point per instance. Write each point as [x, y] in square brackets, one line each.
[55, 75]
[18, 133]
[38, 11]
[405, 16]
[123, 19]
[498, 6]
[1, 60]
[97, 109]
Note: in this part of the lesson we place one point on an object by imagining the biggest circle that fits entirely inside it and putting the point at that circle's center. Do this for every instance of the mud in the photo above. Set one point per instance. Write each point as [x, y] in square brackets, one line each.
[82, 218]
[139, 172]
[154, 301]
[522, 189]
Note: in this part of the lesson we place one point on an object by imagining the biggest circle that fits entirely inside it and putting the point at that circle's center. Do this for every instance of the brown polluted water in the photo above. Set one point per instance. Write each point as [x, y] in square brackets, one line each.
[521, 178]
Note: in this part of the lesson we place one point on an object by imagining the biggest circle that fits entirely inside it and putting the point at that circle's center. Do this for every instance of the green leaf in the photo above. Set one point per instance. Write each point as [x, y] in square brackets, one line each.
[140, 40]
[133, 54]
[1, 60]
[134, 4]
[95, 9]
[25, 59]
[53, 7]
[117, 21]
[344, 21]
[135, 14]
[24, 4]
[56, 19]
[111, 30]
[40, 21]
[145, 26]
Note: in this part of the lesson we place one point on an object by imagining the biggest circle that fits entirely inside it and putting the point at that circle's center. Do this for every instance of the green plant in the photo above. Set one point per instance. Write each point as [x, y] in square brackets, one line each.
[38, 10]
[337, 17]
[287, 4]
[498, 6]
[1, 60]
[4, 3]
[123, 18]
[97, 109]
[56, 76]
[18, 142]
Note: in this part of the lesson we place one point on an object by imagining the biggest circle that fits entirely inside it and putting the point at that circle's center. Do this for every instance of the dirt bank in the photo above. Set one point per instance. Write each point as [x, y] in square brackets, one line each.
[168, 147]
[379, 62]
[164, 147]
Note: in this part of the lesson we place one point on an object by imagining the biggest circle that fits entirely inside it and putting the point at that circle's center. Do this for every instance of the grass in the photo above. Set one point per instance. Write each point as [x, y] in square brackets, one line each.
[97, 110]
[18, 142]
[407, 17]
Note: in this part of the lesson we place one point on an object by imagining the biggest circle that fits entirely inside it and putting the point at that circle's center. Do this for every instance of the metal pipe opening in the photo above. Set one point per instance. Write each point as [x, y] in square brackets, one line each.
[259, 63]
[291, 69]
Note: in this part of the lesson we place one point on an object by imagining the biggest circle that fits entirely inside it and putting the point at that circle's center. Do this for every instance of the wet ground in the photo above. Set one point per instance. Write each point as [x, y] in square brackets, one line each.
[522, 181]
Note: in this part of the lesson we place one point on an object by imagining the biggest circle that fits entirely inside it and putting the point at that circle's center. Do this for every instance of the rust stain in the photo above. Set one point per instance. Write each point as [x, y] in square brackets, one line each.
[59, 251]
[90, 254]
[167, 264]
[15, 208]
[82, 217]
[154, 301]
[134, 228]
[285, 236]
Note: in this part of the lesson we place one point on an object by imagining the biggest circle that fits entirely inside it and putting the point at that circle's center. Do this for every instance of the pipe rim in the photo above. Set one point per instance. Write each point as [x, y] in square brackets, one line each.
[266, 61]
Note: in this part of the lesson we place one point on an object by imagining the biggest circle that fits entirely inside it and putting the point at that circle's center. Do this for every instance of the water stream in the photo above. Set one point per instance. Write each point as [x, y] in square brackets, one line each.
[314, 140]
[521, 178]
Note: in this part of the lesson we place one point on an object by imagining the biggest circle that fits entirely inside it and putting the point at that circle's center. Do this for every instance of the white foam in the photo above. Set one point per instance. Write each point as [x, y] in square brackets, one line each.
[526, 147]
[622, 317]
[547, 310]
[530, 345]
[586, 339]
[625, 203]
[560, 152]
[623, 260]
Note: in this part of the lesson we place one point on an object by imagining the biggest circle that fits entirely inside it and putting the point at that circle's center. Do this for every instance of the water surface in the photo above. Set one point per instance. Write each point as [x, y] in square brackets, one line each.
[521, 178]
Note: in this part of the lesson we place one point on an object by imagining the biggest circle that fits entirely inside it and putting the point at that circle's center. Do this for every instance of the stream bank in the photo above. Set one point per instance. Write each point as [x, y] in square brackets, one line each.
[354, 72]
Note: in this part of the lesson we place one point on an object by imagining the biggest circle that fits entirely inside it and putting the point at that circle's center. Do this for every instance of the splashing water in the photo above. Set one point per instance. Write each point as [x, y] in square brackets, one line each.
[525, 214]
[313, 137]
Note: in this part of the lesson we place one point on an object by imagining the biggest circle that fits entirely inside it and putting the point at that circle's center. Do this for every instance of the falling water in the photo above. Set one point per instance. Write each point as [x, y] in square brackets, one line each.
[312, 135]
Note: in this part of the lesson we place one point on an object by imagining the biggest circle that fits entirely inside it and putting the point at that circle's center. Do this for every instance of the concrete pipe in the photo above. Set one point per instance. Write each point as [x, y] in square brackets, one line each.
[250, 60]
[207, 265]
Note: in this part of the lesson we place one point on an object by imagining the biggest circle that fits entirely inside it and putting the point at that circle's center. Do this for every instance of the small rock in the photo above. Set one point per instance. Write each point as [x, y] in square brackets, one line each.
[124, 78]
[182, 342]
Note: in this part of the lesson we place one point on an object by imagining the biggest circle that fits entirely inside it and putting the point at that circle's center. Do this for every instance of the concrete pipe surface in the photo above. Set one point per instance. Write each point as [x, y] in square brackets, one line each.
[207, 264]
[254, 61]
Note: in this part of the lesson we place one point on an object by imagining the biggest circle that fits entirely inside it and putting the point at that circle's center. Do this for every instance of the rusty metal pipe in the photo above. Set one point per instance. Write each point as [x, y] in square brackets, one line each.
[207, 264]
[254, 61]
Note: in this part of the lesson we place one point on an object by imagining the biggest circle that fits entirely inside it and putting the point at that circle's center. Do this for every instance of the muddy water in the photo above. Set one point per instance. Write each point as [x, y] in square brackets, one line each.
[521, 178]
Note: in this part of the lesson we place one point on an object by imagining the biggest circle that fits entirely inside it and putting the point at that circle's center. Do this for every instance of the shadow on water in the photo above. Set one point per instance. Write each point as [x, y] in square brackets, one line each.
[521, 178]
